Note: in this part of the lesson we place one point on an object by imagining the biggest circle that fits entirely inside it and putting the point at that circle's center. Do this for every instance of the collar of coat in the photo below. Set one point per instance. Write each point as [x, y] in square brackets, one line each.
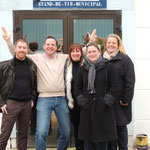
[100, 65]
[117, 57]
[12, 61]
[68, 86]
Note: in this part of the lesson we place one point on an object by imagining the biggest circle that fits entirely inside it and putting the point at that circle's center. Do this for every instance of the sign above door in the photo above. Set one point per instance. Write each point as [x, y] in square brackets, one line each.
[69, 3]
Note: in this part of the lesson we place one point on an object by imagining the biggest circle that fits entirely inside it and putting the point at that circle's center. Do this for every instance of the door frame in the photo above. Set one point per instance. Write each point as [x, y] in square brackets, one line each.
[68, 19]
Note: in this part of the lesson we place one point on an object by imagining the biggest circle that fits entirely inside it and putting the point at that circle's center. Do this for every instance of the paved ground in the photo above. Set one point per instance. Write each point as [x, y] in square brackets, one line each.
[32, 142]
[47, 149]
[54, 149]
[73, 148]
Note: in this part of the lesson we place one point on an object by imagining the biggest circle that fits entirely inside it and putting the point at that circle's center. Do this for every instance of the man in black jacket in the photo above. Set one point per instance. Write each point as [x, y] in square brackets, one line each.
[17, 93]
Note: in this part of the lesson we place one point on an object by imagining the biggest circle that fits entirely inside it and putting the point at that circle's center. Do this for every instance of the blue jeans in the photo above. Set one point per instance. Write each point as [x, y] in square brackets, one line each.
[95, 145]
[45, 106]
[122, 140]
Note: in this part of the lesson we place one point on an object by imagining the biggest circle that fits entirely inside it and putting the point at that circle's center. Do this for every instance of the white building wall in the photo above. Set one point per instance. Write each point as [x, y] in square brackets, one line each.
[127, 7]
[142, 63]
[6, 21]
[128, 35]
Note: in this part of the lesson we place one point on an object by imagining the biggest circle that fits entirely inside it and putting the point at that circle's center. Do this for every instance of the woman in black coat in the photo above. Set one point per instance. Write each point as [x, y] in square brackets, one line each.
[95, 90]
[115, 53]
[71, 70]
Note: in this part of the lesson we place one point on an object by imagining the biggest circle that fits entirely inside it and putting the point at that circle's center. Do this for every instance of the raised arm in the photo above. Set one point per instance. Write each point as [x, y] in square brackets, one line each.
[6, 37]
[93, 36]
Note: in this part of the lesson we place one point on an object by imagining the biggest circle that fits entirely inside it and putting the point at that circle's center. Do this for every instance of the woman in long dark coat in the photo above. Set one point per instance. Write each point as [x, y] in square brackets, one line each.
[116, 54]
[95, 91]
[71, 70]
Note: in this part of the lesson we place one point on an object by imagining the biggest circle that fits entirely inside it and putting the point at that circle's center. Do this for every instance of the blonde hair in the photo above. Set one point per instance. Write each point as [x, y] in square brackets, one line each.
[120, 45]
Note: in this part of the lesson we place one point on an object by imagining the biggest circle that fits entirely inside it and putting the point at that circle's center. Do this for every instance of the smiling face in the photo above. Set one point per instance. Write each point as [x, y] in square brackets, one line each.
[76, 54]
[93, 53]
[112, 45]
[21, 49]
[50, 46]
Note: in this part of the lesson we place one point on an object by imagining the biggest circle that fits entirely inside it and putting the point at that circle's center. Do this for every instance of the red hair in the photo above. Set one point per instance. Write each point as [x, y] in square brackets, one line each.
[75, 46]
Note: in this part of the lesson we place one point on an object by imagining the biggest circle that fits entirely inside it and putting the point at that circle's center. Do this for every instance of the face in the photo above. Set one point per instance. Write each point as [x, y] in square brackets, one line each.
[50, 47]
[93, 53]
[21, 50]
[111, 45]
[76, 54]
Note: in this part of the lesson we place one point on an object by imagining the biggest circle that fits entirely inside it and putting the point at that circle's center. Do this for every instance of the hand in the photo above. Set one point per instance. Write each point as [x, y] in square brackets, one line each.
[32, 103]
[6, 35]
[81, 100]
[123, 104]
[93, 36]
[4, 110]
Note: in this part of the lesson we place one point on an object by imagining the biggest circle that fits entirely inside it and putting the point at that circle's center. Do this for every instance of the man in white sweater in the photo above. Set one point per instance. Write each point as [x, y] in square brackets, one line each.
[50, 83]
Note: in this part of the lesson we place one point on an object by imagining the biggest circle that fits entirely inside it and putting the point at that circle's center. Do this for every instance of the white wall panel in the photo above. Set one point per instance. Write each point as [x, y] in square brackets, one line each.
[16, 4]
[142, 42]
[120, 4]
[142, 74]
[141, 103]
[142, 92]
[7, 22]
[141, 20]
[128, 32]
[141, 5]
[25, 4]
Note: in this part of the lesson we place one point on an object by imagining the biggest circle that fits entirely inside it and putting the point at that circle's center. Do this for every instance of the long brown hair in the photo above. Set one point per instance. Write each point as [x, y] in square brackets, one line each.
[71, 48]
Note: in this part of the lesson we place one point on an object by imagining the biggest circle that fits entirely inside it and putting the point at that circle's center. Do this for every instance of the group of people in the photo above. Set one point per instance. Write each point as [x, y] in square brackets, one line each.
[93, 92]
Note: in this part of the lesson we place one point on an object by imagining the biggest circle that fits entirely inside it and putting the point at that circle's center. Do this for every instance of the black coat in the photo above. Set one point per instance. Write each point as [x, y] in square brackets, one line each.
[7, 76]
[97, 120]
[70, 75]
[126, 77]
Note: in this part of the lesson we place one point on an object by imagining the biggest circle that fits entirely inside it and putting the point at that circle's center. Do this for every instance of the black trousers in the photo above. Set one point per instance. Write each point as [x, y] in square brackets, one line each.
[79, 144]
[122, 141]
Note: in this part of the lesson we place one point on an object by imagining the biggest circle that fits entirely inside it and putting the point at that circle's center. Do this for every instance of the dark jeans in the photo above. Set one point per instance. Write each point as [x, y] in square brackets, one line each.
[95, 145]
[19, 112]
[79, 144]
[122, 140]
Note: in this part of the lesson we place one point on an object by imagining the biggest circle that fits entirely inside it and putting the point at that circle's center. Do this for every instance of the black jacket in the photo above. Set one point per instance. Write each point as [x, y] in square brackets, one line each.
[7, 76]
[70, 74]
[126, 77]
[97, 121]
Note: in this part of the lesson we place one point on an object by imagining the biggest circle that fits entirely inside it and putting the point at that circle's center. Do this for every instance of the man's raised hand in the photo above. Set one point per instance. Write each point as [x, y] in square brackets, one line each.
[6, 35]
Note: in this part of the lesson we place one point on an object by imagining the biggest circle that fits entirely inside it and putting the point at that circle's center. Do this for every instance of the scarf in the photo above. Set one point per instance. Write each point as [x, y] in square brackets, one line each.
[110, 56]
[91, 67]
